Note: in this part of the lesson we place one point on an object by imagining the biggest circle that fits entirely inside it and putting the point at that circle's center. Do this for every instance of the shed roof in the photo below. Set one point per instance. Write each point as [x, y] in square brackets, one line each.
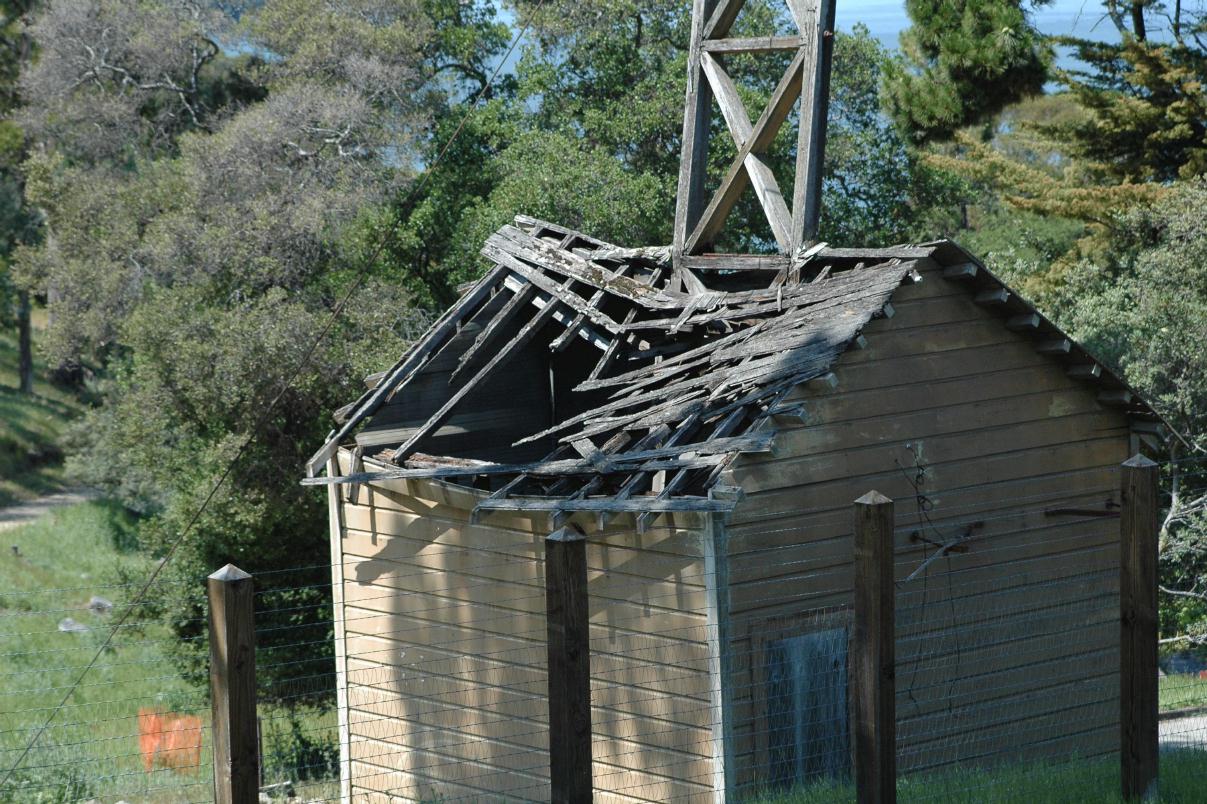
[691, 365]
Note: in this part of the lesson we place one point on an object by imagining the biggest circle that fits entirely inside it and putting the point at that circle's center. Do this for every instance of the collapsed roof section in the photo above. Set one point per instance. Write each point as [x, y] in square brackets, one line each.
[685, 368]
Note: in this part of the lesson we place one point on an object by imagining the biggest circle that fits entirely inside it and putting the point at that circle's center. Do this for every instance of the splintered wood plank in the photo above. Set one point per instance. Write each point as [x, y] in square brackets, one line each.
[562, 341]
[520, 250]
[683, 429]
[726, 426]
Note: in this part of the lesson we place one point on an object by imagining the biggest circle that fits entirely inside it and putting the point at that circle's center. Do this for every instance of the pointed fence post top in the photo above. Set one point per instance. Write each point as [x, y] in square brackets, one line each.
[229, 574]
[567, 534]
[1138, 461]
[873, 497]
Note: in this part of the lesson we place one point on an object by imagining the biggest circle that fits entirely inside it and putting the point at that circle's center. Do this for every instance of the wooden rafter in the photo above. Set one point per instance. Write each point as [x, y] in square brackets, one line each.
[417, 357]
[688, 378]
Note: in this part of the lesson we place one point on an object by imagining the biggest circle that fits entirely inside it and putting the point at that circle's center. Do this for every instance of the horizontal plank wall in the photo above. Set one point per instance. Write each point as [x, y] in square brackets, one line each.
[445, 629]
[1006, 650]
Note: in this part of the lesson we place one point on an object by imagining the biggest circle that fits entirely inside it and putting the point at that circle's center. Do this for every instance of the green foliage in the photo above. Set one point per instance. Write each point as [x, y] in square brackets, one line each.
[198, 238]
[17, 219]
[92, 747]
[62, 784]
[1181, 691]
[877, 191]
[1147, 104]
[1134, 311]
[294, 750]
[962, 62]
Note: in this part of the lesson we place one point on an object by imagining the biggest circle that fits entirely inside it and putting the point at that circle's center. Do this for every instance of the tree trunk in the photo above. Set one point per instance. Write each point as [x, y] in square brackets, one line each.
[25, 359]
[1138, 27]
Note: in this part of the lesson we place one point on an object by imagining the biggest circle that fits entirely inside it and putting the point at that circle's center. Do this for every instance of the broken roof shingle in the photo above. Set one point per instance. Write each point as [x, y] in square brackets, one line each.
[691, 369]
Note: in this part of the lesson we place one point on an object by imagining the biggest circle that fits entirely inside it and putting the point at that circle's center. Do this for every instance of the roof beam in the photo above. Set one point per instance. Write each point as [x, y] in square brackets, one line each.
[508, 351]
[415, 358]
[610, 505]
[642, 459]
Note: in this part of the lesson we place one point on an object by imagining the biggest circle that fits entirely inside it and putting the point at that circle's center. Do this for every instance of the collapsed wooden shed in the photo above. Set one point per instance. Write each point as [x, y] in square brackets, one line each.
[706, 420]
[709, 441]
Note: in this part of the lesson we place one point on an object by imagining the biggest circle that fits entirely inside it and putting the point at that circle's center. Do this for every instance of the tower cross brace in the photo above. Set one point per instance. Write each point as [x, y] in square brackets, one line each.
[699, 217]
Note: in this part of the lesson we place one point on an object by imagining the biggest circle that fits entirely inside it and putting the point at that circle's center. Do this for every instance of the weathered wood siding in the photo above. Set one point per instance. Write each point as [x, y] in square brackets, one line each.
[1005, 652]
[446, 682]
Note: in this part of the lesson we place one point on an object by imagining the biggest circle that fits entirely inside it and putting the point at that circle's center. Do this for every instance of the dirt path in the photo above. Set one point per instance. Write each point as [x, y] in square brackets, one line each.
[15, 516]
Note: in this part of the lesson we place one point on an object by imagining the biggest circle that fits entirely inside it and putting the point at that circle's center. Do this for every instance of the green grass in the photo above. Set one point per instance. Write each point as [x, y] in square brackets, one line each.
[92, 749]
[30, 429]
[1183, 781]
[1181, 692]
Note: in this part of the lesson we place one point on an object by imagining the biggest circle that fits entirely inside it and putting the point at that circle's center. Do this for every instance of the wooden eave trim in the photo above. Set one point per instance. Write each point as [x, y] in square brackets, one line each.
[985, 287]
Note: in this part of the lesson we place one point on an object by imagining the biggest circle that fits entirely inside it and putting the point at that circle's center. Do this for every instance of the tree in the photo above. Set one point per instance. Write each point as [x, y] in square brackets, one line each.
[961, 63]
[204, 182]
[1147, 315]
[1142, 120]
[17, 223]
[1147, 103]
[877, 189]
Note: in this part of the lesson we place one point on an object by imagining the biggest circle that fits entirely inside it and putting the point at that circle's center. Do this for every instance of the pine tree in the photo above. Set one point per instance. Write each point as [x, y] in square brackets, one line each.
[961, 62]
[1148, 107]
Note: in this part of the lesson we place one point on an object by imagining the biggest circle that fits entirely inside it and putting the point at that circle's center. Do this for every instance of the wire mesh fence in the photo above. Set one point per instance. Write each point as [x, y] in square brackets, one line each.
[131, 728]
[137, 726]
[721, 664]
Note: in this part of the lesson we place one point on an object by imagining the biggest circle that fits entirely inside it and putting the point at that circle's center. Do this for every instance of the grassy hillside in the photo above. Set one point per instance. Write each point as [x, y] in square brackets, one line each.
[57, 565]
[30, 429]
[93, 749]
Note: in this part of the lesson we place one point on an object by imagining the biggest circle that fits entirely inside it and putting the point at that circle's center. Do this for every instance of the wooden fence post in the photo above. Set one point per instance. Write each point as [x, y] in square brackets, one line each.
[233, 686]
[1138, 637]
[569, 667]
[872, 665]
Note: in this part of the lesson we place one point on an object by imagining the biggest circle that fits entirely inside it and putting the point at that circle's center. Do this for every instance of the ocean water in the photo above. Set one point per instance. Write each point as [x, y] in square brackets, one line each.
[886, 20]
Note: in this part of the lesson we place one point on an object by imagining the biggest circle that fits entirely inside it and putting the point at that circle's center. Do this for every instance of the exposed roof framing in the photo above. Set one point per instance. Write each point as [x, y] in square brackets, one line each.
[685, 380]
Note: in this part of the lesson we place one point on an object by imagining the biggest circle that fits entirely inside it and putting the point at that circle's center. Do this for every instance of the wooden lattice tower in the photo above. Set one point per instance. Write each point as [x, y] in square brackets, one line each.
[699, 218]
